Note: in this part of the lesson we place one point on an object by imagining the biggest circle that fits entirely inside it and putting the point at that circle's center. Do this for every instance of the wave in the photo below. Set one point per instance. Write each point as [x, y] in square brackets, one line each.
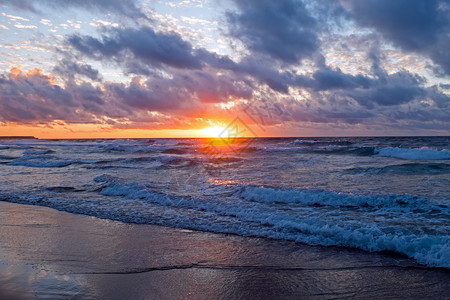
[40, 162]
[188, 143]
[405, 169]
[321, 142]
[178, 162]
[283, 149]
[175, 151]
[308, 197]
[333, 147]
[409, 225]
[305, 142]
[423, 153]
[5, 157]
[63, 189]
[144, 147]
[254, 211]
[226, 159]
[130, 148]
[412, 153]
[38, 152]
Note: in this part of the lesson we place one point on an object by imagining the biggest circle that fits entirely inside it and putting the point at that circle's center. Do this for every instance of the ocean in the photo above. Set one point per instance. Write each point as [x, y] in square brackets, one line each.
[372, 193]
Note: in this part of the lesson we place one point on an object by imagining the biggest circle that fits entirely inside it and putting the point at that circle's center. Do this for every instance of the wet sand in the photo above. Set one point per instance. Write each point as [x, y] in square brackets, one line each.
[49, 254]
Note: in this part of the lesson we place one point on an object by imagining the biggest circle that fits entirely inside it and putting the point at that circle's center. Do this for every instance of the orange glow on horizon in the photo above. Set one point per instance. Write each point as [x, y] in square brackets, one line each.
[87, 131]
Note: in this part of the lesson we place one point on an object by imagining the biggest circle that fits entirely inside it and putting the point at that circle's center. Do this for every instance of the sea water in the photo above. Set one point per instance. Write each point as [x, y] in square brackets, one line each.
[371, 193]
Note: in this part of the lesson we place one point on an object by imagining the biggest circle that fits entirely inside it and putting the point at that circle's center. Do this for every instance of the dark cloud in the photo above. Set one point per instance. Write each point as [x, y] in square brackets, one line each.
[425, 116]
[122, 8]
[282, 29]
[386, 95]
[69, 68]
[394, 89]
[140, 51]
[329, 79]
[154, 49]
[180, 94]
[439, 98]
[412, 25]
[323, 115]
[27, 97]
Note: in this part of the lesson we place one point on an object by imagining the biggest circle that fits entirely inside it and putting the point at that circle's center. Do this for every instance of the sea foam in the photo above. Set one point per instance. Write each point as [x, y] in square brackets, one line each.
[312, 216]
[412, 153]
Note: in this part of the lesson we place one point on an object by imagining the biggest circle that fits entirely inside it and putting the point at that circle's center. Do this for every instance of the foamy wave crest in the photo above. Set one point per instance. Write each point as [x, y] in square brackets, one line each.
[333, 147]
[305, 142]
[389, 222]
[308, 197]
[412, 153]
[414, 226]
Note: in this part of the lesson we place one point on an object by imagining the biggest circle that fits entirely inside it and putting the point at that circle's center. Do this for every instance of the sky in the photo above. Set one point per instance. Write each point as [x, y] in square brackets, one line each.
[194, 68]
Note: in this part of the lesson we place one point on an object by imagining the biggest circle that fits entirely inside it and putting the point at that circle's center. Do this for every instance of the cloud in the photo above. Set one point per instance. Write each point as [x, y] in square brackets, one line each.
[21, 26]
[394, 89]
[32, 96]
[386, 95]
[412, 25]
[329, 79]
[129, 8]
[144, 44]
[68, 69]
[283, 30]
[294, 61]
[183, 94]
[28, 97]
[15, 18]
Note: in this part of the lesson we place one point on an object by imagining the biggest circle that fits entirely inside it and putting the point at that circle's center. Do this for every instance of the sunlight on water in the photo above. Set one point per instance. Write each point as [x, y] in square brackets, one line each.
[375, 194]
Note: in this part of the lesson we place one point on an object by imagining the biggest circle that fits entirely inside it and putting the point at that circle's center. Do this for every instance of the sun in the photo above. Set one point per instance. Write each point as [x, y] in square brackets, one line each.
[215, 131]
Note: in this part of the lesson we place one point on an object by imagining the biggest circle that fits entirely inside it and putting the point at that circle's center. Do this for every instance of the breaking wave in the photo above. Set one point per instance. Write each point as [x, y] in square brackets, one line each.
[413, 153]
[409, 225]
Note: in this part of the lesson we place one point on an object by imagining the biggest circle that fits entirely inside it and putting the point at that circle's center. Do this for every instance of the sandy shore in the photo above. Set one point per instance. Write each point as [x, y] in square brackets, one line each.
[49, 254]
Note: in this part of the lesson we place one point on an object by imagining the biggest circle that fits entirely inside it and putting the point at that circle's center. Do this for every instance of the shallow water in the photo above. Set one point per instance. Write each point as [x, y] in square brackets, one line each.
[375, 194]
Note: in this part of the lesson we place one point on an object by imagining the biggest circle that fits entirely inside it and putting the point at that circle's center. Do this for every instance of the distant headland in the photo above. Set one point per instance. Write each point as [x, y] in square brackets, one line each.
[18, 137]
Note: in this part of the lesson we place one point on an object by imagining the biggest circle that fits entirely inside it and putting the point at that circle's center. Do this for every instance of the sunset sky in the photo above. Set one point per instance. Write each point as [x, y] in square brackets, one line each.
[114, 68]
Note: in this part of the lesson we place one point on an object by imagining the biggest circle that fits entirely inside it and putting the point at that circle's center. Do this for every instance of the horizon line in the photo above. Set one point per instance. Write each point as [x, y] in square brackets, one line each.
[240, 137]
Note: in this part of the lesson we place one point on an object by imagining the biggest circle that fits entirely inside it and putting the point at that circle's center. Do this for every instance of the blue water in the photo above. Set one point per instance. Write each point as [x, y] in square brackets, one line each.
[375, 194]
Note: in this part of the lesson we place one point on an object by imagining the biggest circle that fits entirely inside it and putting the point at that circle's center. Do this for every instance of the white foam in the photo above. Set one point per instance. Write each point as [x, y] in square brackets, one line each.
[256, 211]
[333, 147]
[308, 197]
[413, 153]
[305, 142]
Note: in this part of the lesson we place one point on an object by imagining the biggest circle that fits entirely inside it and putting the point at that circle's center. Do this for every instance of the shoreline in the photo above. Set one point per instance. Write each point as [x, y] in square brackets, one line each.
[45, 252]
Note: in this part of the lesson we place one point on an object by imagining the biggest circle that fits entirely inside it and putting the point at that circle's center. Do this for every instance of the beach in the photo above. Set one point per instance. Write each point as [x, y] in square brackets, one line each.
[231, 149]
[48, 254]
